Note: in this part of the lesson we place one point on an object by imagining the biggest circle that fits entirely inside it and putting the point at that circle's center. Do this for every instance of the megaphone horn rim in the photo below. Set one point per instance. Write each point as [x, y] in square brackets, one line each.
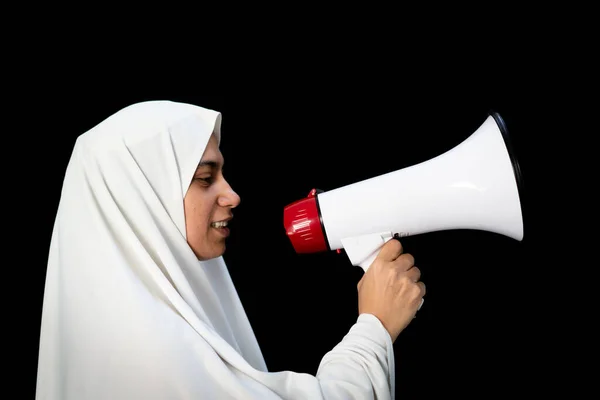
[502, 126]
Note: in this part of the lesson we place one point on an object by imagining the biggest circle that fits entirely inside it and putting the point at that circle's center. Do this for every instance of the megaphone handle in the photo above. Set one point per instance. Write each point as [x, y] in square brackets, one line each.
[362, 250]
[366, 263]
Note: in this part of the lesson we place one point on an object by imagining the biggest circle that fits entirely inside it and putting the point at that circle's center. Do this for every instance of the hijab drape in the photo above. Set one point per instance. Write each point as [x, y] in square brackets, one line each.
[130, 313]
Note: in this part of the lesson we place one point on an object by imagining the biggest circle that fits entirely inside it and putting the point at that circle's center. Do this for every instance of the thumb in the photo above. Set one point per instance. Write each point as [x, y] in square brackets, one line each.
[391, 249]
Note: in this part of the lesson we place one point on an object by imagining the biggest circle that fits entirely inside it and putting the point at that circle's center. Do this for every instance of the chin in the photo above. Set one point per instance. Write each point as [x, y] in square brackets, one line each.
[207, 247]
[205, 256]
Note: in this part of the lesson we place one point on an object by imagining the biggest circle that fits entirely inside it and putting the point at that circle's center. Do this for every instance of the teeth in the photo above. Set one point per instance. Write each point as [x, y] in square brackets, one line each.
[221, 224]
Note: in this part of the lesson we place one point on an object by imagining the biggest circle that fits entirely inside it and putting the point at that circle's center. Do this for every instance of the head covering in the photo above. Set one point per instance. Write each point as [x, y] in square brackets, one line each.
[130, 313]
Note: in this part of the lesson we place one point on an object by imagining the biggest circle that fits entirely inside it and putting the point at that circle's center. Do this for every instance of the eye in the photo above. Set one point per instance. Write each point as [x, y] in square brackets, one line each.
[205, 180]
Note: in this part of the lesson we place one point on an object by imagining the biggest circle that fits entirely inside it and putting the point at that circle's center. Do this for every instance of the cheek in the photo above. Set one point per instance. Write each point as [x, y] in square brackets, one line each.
[197, 215]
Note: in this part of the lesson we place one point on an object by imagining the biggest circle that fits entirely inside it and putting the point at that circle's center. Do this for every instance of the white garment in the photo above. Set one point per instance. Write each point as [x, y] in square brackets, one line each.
[129, 313]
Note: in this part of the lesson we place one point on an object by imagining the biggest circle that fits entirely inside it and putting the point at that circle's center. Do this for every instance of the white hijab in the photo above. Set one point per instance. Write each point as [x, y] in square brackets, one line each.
[129, 313]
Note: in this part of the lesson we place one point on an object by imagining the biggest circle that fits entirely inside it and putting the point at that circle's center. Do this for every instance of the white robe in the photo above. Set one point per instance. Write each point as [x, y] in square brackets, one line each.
[129, 313]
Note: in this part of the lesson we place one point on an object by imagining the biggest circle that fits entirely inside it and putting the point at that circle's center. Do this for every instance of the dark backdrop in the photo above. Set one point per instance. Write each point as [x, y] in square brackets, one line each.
[287, 136]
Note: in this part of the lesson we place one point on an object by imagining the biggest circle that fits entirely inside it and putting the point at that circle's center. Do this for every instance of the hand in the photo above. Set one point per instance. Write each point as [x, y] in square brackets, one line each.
[390, 289]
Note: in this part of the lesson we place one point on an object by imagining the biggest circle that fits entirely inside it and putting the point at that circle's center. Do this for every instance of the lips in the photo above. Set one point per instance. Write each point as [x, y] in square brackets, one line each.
[221, 224]
[221, 227]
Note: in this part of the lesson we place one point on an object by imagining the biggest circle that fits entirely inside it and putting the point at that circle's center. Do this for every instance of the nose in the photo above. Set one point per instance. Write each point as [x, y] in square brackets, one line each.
[229, 198]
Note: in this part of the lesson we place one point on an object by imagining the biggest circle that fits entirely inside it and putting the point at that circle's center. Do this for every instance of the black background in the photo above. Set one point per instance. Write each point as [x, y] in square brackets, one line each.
[288, 130]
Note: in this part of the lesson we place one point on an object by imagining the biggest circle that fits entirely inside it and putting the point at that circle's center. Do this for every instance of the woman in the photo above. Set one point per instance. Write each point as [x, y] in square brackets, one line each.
[138, 301]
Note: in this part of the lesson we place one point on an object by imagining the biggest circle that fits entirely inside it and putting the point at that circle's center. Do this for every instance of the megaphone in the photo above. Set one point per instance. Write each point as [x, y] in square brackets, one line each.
[475, 185]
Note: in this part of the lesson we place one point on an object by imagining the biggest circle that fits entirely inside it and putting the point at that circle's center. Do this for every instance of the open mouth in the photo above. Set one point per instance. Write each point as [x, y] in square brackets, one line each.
[221, 227]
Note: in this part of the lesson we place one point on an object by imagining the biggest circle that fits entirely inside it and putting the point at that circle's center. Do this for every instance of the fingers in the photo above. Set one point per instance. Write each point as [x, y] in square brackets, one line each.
[390, 250]
[414, 274]
[404, 262]
[421, 286]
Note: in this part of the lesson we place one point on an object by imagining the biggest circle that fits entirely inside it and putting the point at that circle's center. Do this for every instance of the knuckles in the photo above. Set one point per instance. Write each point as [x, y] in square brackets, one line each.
[407, 260]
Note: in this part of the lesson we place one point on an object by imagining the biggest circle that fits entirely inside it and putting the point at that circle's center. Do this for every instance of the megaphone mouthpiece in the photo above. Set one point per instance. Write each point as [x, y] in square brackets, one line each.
[304, 226]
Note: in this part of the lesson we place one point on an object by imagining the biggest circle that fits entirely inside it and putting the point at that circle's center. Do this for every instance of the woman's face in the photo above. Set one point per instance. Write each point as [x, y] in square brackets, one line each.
[208, 204]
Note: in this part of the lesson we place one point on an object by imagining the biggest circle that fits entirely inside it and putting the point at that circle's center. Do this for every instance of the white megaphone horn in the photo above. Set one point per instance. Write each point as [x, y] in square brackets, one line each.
[475, 185]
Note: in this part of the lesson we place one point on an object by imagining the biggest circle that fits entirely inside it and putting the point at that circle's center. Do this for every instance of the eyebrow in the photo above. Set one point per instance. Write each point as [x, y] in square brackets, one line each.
[212, 164]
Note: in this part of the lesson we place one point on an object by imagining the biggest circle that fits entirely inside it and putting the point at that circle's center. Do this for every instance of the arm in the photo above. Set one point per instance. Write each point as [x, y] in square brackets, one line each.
[361, 365]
